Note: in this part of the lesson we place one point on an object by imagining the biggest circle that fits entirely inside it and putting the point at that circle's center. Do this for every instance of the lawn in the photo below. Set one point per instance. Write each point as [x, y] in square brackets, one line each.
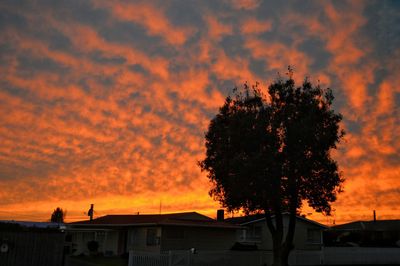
[98, 261]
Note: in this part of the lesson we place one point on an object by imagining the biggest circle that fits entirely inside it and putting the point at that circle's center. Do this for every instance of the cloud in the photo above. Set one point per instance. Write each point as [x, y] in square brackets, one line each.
[107, 102]
[151, 17]
[246, 4]
[254, 26]
[216, 28]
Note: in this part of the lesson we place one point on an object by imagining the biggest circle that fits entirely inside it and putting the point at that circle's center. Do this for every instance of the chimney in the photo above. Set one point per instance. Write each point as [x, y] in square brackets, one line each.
[220, 215]
[374, 216]
[90, 212]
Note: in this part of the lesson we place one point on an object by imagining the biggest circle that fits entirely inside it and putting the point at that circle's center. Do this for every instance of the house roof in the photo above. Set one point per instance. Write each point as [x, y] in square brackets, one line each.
[244, 220]
[192, 219]
[379, 225]
[31, 224]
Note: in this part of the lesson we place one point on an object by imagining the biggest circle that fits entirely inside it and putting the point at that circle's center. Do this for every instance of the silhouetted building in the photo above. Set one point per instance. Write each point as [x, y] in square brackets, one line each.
[379, 233]
[255, 234]
[117, 234]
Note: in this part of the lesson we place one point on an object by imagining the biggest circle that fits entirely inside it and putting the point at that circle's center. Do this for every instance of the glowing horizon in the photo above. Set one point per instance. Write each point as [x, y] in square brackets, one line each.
[107, 102]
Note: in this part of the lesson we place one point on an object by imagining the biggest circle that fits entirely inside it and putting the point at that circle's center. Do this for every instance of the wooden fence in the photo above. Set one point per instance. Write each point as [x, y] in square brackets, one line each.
[149, 259]
[31, 248]
[327, 256]
[209, 258]
[361, 255]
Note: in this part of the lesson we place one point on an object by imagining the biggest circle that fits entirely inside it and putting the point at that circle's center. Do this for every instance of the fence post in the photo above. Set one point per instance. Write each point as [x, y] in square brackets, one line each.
[189, 258]
[169, 258]
[322, 255]
[130, 260]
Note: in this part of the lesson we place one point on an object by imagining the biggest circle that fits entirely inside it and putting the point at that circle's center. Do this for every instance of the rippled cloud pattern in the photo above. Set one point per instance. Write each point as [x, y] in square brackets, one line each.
[107, 102]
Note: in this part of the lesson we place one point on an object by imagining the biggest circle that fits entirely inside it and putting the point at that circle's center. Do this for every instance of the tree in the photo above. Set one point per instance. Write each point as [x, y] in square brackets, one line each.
[270, 153]
[58, 215]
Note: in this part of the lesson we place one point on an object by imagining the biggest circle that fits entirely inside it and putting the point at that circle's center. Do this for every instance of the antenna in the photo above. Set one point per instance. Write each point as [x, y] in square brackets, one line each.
[91, 211]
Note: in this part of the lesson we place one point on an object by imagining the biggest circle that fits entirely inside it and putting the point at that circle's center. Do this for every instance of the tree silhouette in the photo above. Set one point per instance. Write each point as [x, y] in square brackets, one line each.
[270, 153]
[58, 215]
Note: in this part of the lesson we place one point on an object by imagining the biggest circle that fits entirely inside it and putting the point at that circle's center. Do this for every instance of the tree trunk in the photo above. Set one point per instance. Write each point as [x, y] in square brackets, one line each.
[277, 259]
[281, 249]
[285, 255]
[280, 256]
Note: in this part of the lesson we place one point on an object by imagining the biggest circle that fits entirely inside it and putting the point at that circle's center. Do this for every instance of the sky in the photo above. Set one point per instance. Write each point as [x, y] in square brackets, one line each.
[107, 102]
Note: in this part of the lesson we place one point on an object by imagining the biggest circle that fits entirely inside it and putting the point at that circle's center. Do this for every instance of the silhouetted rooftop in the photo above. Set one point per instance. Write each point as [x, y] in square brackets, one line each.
[379, 225]
[243, 220]
[179, 219]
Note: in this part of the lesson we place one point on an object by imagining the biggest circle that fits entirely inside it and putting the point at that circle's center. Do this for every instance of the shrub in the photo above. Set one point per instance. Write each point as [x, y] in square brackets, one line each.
[93, 246]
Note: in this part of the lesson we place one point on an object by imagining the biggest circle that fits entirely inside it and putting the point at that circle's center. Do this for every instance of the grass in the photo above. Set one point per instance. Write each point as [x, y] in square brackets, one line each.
[102, 261]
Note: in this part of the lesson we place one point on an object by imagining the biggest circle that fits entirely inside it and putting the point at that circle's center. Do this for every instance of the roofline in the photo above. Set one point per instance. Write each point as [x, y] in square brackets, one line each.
[202, 225]
[87, 229]
[254, 221]
[313, 222]
[149, 214]
[135, 224]
[71, 226]
[367, 221]
[286, 213]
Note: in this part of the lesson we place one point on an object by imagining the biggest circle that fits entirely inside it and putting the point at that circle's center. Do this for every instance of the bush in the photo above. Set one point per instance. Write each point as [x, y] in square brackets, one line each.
[93, 246]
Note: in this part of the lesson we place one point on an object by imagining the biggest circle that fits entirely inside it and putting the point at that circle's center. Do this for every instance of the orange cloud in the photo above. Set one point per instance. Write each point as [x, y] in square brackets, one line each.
[216, 28]
[254, 26]
[150, 17]
[245, 4]
[91, 114]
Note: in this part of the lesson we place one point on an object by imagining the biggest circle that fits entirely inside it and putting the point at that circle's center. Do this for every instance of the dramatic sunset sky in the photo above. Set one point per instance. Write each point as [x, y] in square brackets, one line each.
[107, 102]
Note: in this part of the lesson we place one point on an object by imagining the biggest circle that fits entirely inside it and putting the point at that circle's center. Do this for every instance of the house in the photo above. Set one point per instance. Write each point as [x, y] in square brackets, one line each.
[376, 233]
[156, 233]
[255, 233]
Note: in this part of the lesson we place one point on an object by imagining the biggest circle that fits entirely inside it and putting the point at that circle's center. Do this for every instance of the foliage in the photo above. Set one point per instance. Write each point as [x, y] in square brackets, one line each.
[58, 215]
[93, 246]
[269, 153]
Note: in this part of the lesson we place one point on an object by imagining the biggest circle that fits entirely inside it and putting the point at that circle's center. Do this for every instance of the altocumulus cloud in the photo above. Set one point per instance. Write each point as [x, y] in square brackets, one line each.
[107, 101]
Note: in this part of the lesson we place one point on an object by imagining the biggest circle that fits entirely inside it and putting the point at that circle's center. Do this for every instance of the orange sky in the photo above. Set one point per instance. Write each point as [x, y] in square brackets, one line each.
[107, 102]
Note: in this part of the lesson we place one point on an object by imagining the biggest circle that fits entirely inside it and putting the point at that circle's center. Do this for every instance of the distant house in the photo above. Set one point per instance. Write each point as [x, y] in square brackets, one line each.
[118, 234]
[255, 232]
[378, 233]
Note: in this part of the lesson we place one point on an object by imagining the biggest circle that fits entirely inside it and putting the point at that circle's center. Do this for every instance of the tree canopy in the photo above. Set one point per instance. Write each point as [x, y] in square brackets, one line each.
[58, 215]
[271, 152]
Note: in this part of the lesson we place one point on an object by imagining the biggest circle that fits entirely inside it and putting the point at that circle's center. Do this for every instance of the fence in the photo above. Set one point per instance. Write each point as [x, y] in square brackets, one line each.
[361, 255]
[327, 256]
[149, 259]
[26, 248]
[218, 258]
[186, 258]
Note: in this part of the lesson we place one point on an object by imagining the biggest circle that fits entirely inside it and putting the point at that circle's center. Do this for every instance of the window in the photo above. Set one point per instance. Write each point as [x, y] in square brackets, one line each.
[87, 236]
[100, 236]
[257, 232]
[133, 236]
[242, 234]
[313, 236]
[151, 237]
[253, 233]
